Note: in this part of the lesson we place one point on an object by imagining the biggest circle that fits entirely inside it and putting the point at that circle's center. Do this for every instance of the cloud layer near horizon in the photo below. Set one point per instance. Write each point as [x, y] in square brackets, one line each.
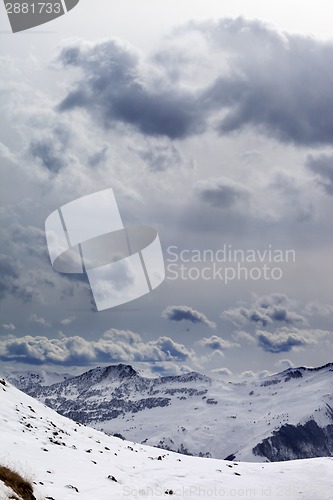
[114, 346]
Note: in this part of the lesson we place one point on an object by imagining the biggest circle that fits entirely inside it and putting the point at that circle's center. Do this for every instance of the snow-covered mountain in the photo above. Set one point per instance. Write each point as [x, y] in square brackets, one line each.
[283, 417]
[64, 460]
[28, 380]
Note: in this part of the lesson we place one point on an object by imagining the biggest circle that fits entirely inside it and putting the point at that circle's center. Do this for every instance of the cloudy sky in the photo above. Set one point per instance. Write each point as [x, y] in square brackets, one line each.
[213, 123]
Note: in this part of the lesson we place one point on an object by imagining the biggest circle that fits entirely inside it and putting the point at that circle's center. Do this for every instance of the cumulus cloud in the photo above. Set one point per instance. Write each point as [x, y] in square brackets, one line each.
[249, 374]
[171, 349]
[186, 313]
[284, 340]
[266, 310]
[285, 364]
[223, 372]
[217, 343]
[167, 368]
[114, 346]
[322, 167]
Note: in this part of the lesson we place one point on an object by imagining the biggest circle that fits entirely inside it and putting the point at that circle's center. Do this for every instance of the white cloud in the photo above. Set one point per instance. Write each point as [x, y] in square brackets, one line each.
[39, 320]
[186, 313]
[223, 372]
[67, 321]
[114, 346]
[251, 375]
[284, 364]
[8, 326]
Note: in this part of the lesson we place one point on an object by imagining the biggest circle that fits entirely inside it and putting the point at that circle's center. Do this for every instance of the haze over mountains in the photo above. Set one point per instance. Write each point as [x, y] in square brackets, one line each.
[282, 417]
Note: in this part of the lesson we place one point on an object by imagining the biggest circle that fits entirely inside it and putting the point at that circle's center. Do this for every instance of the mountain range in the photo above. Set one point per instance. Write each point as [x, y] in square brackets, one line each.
[282, 417]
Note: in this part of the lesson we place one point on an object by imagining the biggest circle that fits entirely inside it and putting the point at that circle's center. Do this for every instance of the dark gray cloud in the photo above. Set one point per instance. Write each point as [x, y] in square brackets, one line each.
[322, 167]
[44, 151]
[99, 157]
[279, 84]
[50, 150]
[284, 340]
[114, 346]
[279, 342]
[186, 313]
[113, 90]
[221, 193]
[160, 156]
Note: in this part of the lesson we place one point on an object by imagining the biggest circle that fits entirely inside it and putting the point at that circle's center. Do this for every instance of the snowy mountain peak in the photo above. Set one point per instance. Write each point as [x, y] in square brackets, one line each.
[96, 375]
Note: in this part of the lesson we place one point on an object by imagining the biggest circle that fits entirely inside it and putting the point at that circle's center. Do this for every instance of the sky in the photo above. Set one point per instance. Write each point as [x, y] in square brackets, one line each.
[213, 123]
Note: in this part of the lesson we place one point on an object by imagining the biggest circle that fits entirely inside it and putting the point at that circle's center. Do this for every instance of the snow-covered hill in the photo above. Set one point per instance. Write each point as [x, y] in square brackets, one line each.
[66, 461]
[283, 417]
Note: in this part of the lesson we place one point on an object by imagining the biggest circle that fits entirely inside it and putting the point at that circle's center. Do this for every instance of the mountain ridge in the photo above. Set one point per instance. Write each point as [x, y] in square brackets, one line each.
[245, 420]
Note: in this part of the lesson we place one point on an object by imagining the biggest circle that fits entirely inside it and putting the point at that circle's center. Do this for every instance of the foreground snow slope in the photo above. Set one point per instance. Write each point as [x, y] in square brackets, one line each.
[68, 461]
